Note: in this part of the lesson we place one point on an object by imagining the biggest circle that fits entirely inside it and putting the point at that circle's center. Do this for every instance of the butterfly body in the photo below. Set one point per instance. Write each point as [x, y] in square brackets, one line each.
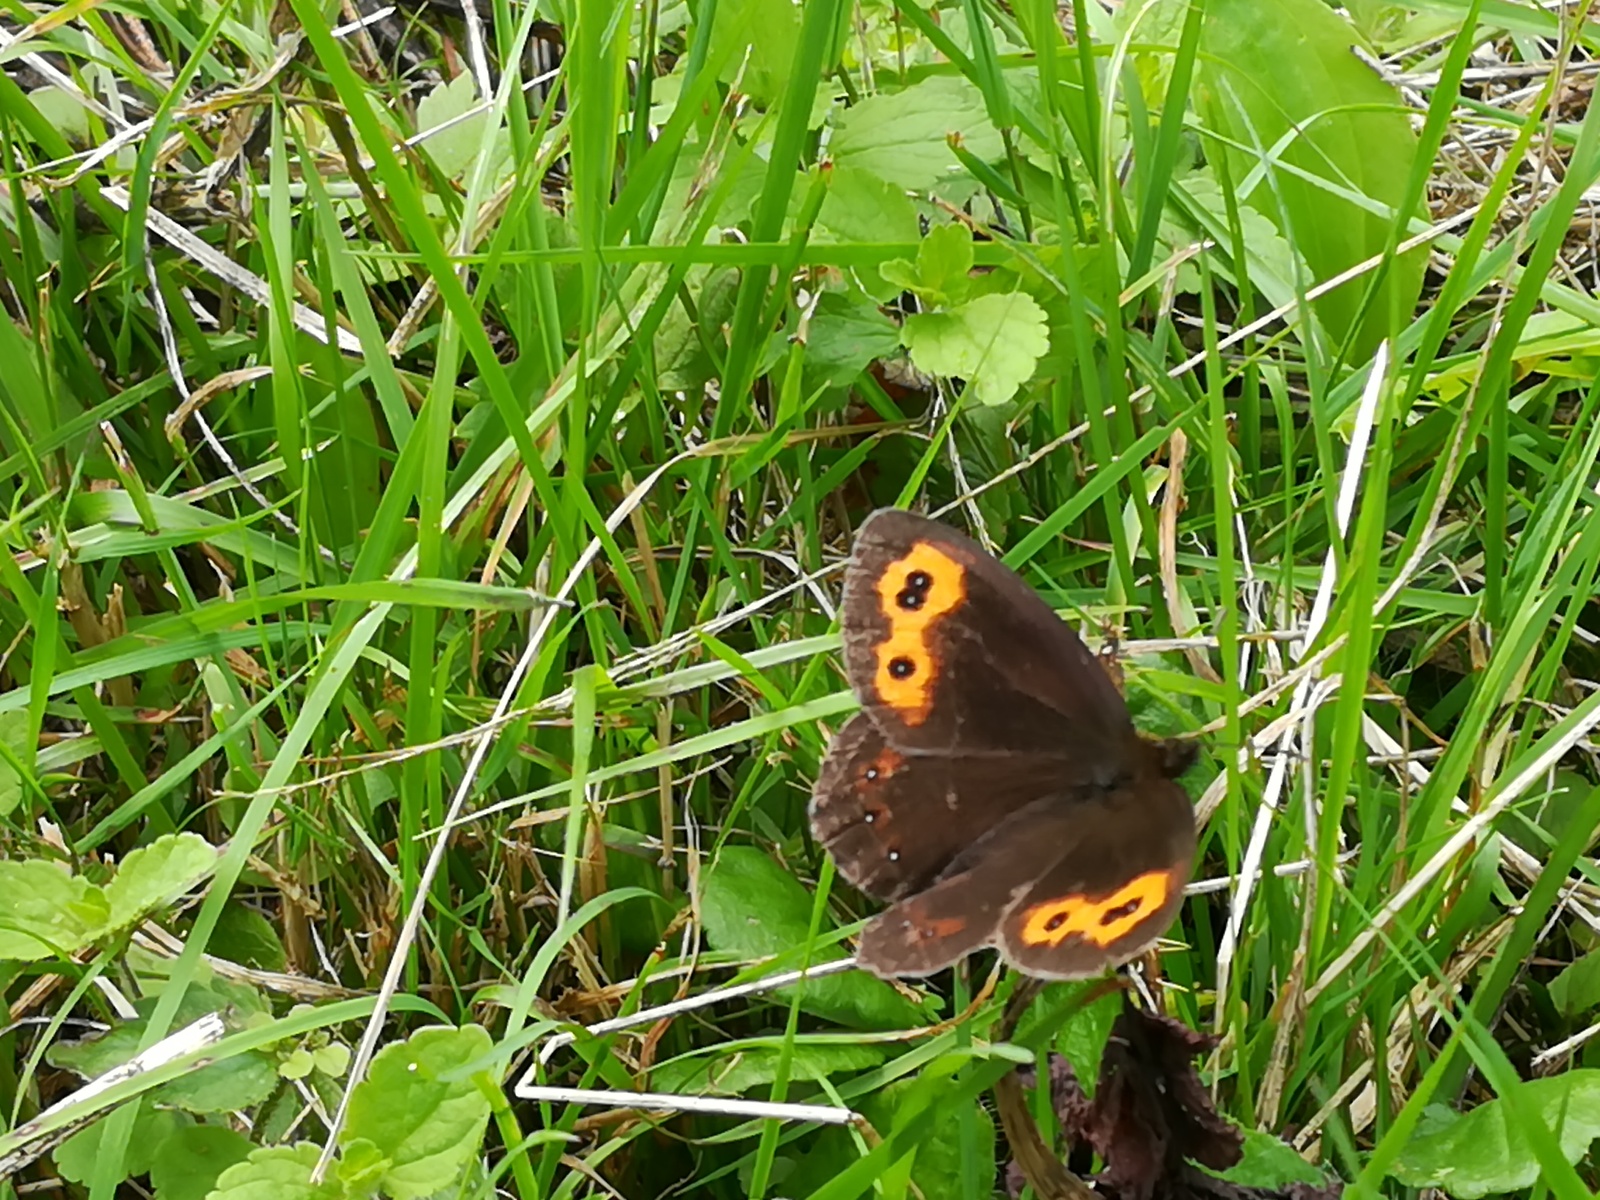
[993, 788]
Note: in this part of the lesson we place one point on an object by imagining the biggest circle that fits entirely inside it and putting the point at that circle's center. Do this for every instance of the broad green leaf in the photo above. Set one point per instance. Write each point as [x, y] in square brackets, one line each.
[847, 334]
[243, 935]
[277, 1173]
[65, 112]
[940, 276]
[79, 1155]
[1080, 1029]
[225, 1085]
[1485, 1151]
[936, 1168]
[427, 1128]
[994, 342]
[754, 908]
[900, 136]
[455, 147]
[1270, 1162]
[187, 1165]
[361, 1166]
[1277, 79]
[154, 875]
[45, 911]
[862, 206]
[768, 35]
[14, 733]
[1577, 989]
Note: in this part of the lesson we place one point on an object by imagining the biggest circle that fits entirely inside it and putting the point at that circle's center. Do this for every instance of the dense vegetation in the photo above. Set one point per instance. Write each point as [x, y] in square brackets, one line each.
[459, 676]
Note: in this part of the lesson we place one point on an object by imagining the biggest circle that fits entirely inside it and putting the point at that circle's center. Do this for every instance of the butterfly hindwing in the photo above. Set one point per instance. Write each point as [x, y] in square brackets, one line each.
[1115, 886]
[1065, 887]
[893, 819]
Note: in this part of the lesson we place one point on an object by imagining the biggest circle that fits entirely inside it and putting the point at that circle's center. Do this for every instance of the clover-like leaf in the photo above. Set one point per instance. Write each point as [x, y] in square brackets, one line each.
[44, 911]
[153, 875]
[428, 1128]
[276, 1173]
[994, 342]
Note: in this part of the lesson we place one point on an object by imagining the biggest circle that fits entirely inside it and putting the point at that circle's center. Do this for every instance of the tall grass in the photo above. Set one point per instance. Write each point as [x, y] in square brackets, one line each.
[427, 482]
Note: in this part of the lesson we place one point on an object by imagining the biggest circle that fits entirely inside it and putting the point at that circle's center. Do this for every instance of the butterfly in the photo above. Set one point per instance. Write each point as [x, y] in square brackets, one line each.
[992, 789]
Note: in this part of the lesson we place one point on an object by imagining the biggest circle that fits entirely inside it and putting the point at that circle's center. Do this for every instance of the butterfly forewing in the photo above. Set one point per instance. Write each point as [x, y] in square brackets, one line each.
[950, 650]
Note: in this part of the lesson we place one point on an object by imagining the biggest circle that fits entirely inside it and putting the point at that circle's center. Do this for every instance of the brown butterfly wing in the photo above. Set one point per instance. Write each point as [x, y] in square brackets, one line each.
[1065, 887]
[894, 819]
[993, 787]
[962, 910]
[949, 650]
[1116, 886]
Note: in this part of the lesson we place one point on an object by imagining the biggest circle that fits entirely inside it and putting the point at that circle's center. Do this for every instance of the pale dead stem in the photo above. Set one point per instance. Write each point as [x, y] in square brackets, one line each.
[1424, 1008]
[1305, 696]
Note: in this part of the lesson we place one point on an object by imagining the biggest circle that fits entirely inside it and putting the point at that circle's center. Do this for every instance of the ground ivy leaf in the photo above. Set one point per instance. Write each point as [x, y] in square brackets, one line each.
[754, 908]
[944, 261]
[45, 911]
[276, 1173]
[1485, 1151]
[735, 1074]
[994, 342]
[361, 1166]
[227, 1085]
[846, 335]
[900, 136]
[187, 1165]
[154, 875]
[1271, 1163]
[427, 1128]
[78, 1156]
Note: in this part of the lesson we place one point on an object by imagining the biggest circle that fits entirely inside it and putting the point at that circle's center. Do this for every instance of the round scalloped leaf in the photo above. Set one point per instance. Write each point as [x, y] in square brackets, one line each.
[154, 875]
[79, 1156]
[188, 1164]
[276, 1173]
[429, 1129]
[994, 342]
[45, 912]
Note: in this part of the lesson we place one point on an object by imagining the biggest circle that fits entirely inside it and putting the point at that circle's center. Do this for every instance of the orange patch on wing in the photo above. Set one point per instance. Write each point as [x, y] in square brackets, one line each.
[1097, 919]
[943, 927]
[886, 764]
[906, 666]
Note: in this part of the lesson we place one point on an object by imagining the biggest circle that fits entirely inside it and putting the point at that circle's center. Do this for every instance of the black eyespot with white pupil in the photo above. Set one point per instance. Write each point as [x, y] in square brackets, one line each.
[915, 594]
[1118, 913]
[1055, 922]
[902, 668]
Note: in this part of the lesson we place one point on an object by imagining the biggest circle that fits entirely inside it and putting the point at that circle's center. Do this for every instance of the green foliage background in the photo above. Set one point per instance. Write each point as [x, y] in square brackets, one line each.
[533, 561]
